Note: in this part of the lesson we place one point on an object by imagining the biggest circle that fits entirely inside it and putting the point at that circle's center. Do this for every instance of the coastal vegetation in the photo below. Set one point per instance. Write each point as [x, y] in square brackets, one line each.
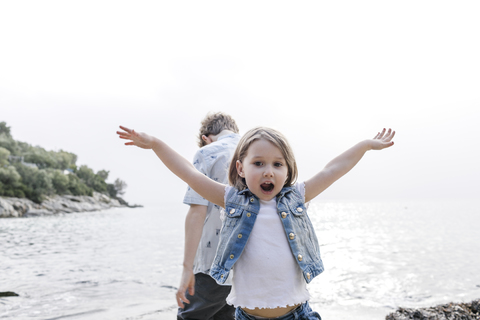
[32, 172]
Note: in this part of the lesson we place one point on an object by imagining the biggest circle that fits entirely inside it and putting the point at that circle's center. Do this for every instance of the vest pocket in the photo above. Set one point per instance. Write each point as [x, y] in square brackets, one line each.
[232, 215]
[298, 209]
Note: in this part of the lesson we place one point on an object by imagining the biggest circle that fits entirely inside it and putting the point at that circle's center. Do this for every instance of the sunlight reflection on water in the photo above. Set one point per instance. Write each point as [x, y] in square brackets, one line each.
[126, 263]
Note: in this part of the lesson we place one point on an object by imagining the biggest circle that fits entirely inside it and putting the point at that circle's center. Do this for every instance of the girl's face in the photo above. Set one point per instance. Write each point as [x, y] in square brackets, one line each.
[264, 169]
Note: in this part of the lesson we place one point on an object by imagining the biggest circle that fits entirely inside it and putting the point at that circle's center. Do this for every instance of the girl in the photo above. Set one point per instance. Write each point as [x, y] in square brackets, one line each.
[266, 232]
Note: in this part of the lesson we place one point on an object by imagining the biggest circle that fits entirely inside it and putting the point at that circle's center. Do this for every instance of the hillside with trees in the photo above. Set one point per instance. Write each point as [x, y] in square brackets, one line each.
[32, 172]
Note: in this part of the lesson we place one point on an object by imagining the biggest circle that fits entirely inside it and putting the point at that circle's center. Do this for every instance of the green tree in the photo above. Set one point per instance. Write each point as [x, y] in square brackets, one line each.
[117, 188]
[86, 174]
[65, 160]
[10, 182]
[5, 129]
[77, 187]
[59, 181]
[8, 143]
[19, 179]
[37, 183]
[4, 153]
[120, 186]
[10, 176]
[103, 174]
[92, 180]
[42, 158]
[42, 183]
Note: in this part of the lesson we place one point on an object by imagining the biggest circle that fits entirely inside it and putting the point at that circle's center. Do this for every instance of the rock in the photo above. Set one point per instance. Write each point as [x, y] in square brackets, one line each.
[8, 294]
[19, 207]
[451, 311]
[6, 209]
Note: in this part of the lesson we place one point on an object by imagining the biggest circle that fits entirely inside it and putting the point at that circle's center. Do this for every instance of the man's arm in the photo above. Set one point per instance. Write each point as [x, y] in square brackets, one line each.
[343, 163]
[193, 232]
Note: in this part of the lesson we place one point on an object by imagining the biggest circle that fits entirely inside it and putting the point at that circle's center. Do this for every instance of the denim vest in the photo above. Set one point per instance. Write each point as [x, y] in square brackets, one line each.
[241, 209]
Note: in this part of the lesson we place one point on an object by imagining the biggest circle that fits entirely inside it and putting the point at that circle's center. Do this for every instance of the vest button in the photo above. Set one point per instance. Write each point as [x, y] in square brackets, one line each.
[248, 214]
[299, 209]
[300, 258]
[252, 199]
[231, 256]
[232, 211]
[284, 215]
[239, 236]
[308, 276]
[291, 236]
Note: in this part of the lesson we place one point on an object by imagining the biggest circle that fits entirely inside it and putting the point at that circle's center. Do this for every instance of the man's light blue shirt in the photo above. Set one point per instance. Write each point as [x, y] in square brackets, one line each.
[212, 160]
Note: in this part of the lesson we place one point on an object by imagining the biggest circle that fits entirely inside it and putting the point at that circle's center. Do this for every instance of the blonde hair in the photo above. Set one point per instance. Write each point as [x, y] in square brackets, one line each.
[214, 123]
[271, 135]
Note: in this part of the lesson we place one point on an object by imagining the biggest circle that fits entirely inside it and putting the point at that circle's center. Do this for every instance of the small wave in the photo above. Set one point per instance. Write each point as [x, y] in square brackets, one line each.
[151, 313]
[77, 314]
[169, 287]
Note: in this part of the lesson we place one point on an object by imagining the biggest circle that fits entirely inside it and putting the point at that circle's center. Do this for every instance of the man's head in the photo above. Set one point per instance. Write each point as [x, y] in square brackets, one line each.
[213, 124]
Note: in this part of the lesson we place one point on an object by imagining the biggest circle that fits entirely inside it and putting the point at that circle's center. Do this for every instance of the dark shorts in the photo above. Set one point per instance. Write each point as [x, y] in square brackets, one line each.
[303, 312]
[208, 302]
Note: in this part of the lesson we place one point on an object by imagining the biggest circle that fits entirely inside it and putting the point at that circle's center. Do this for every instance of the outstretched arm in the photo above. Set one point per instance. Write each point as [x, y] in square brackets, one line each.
[181, 167]
[343, 163]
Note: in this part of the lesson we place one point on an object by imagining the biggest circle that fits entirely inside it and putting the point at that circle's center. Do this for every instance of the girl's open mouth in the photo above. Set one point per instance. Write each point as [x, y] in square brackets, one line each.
[267, 186]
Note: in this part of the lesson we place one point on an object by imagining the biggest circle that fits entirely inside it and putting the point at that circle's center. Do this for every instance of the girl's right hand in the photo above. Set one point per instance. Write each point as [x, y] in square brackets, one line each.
[382, 140]
[139, 139]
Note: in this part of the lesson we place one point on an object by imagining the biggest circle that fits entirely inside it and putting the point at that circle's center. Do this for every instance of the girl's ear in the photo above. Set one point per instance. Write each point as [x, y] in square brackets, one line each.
[239, 166]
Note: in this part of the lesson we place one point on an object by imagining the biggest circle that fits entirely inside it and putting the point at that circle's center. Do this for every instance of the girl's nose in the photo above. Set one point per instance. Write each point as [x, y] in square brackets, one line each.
[268, 172]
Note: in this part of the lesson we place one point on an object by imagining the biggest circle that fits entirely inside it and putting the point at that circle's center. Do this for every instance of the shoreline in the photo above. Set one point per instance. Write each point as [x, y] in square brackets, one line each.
[57, 204]
[452, 310]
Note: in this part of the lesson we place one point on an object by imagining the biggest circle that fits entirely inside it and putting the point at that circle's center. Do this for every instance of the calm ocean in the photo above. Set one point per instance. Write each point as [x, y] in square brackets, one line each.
[125, 263]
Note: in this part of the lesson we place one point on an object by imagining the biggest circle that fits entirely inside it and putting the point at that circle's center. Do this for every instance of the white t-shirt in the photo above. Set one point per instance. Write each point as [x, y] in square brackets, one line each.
[267, 275]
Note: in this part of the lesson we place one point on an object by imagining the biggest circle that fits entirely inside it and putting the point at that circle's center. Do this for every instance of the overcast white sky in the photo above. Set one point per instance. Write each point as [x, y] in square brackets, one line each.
[327, 74]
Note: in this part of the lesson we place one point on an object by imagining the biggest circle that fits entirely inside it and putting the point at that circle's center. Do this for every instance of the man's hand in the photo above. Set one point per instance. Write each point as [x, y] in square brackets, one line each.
[186, 283]
[382, 140]
[139, 139]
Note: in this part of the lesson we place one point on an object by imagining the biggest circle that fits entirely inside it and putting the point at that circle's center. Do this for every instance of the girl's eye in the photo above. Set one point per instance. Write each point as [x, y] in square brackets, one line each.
[258, 163]
[278, 164]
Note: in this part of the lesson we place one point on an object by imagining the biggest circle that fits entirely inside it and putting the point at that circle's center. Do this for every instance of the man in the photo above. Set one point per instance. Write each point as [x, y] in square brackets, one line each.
[199, 296]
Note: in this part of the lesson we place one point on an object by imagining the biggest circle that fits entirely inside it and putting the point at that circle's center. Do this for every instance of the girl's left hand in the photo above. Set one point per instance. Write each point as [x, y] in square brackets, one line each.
[382, 140]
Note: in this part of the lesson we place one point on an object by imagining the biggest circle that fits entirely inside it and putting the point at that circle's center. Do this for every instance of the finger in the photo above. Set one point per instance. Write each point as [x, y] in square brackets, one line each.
[179, 301]
[389, 136]
[381, 134]
[131, 143]
[386, 145]
[126, 129]
[183, 297]
[123, 136]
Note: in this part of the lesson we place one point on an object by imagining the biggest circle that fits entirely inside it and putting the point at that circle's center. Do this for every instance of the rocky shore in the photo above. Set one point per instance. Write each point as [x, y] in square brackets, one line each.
[451, 311]
[20, 207]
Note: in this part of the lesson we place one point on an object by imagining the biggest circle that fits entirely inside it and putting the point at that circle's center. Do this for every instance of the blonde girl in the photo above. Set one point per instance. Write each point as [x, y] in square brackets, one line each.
[266, 235]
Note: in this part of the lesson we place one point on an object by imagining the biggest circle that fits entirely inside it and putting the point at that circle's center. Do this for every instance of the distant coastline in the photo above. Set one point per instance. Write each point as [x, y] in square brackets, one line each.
[11, 207]
[35, 181]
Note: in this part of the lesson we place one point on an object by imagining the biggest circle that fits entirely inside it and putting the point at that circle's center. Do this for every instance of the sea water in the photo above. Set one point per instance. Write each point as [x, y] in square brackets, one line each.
[124, 263]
